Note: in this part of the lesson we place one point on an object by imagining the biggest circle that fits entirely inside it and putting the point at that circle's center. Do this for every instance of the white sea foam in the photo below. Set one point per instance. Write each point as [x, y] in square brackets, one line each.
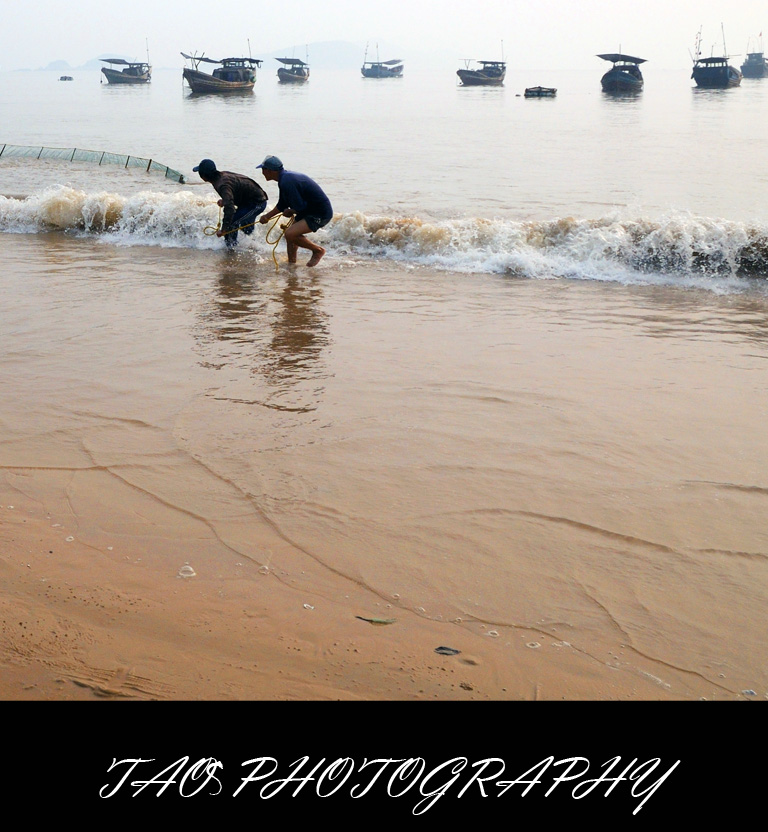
[677, 248]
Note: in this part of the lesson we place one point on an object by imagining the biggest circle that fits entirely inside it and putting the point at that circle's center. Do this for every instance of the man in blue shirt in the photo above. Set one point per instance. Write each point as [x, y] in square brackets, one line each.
[304, 200]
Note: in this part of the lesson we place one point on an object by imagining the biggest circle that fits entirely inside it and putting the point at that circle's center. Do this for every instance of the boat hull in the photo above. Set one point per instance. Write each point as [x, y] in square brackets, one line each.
[115, 76]
[285, 76]
[374, 72]
[716, 77]
[755, 67]
[540, 92]
[201, 82]
[618, 81]
[477, 78]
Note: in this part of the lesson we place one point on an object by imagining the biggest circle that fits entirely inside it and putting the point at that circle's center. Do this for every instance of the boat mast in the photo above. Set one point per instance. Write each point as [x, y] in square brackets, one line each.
[146, 41]
[697, 47]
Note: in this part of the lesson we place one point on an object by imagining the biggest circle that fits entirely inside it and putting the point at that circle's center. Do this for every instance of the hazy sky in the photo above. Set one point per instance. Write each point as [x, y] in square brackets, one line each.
[546, 33]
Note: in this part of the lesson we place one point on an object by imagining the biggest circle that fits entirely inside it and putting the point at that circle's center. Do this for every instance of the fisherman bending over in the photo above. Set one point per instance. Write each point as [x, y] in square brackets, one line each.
[301, 198]
[241, 198]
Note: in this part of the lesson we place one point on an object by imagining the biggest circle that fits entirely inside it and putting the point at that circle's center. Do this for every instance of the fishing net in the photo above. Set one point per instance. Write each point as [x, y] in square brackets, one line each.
[99, 157]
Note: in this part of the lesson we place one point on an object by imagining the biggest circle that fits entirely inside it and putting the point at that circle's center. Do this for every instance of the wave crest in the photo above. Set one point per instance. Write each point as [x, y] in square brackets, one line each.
[610, 248]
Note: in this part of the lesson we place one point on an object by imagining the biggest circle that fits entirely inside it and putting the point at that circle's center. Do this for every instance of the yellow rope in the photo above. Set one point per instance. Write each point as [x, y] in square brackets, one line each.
[210, 230]
[283, 229]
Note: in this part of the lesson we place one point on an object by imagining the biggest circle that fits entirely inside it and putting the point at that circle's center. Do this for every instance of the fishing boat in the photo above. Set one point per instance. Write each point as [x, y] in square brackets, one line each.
[487, 74]
[65, 78]
[714, 72]
[755, 64]
[381, 69]
[624, 75]
[230, 75]
[295, 71]
[132, 72]
[540, 92]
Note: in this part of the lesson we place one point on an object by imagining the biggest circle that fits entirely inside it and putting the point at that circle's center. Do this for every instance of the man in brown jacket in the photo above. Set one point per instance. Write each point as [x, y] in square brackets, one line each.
[241, 198]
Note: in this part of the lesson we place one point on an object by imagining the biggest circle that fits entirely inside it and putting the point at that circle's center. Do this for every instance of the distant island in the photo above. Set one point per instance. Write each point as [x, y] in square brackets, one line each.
[95, 64]
[322, 55]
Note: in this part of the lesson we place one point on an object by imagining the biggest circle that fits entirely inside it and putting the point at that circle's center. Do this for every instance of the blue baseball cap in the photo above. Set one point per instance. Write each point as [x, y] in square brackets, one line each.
[206, 167]
[271, 163]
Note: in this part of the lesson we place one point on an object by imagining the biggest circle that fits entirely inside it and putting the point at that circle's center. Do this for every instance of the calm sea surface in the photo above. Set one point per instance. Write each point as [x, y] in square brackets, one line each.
[525, 389]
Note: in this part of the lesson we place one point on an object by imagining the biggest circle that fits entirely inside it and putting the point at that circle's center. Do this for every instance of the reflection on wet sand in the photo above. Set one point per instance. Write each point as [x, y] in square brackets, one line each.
[299, 331]
[273, 329]
[671, 312]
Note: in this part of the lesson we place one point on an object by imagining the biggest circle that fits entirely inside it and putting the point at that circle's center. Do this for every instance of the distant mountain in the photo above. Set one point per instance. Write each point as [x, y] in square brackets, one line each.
[57, 66]
[346, 55]
[322, 55]
[93, 64]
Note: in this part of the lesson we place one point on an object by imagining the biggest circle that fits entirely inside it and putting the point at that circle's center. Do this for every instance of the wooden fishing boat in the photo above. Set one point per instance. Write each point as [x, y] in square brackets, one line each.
[755, 64]
[132, 72]
[295, 71]
[488, 74]
[624, 75]
[382, 69]
[540, 92]
[714, 72]
[230, 75]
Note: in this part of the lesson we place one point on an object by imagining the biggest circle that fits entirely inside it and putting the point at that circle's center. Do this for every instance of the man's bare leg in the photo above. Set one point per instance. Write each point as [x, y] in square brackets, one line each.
[294, 237]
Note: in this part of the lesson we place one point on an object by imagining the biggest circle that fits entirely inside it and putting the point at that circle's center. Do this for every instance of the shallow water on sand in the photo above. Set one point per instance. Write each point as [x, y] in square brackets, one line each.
[578, 459]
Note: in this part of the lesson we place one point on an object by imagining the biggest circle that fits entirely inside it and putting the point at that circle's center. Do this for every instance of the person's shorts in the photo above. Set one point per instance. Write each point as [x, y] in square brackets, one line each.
[313, 222]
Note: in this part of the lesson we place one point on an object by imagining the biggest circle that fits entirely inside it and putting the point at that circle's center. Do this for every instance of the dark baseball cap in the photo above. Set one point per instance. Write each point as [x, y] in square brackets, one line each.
[271, 163]
[206, 167]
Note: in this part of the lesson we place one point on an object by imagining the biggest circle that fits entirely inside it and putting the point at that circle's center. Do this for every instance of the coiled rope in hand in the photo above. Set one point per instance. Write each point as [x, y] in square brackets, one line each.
[210, 230]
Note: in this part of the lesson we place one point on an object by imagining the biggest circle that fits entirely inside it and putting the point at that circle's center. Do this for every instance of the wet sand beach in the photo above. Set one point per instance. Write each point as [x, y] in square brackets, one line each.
[564, 481]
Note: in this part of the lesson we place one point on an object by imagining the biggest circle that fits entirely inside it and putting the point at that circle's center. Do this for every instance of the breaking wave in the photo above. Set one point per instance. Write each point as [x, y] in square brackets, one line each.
[679, 247]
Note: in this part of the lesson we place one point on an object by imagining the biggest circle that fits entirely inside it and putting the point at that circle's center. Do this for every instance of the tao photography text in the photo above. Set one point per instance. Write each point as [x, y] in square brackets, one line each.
[411, 780]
